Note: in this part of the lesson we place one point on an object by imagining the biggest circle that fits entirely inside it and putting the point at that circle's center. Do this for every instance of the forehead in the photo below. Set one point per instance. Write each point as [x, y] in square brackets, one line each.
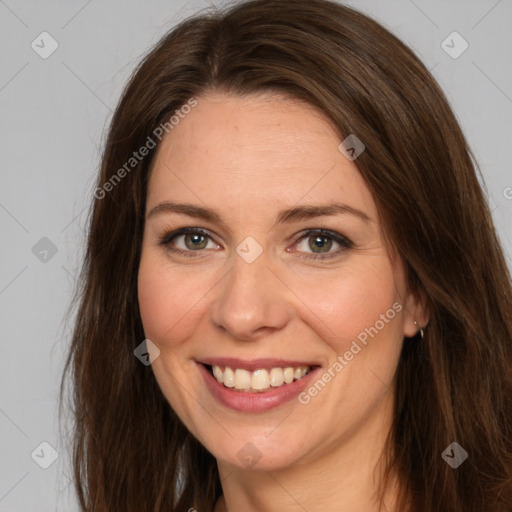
[261, 148]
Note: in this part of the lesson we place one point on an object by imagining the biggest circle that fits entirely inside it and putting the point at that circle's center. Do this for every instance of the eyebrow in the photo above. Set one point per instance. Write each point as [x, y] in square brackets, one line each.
[285, 216]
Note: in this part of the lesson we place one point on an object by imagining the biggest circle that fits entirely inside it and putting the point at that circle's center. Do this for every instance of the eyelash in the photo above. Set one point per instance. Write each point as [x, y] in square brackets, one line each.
[166, 239]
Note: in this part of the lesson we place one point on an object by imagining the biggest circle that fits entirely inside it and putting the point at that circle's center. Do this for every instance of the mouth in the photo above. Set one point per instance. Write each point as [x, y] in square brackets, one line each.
[260, 379]
[256, 386]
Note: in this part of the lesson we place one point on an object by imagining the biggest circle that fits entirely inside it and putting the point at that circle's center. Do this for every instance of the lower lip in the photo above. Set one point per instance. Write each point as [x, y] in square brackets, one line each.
[255, 402]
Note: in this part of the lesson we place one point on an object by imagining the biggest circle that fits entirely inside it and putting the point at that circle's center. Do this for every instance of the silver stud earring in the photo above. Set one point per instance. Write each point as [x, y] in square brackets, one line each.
[422, 333]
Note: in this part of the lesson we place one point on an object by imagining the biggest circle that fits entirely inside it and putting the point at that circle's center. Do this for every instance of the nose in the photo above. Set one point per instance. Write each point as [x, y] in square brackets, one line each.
[251, 300]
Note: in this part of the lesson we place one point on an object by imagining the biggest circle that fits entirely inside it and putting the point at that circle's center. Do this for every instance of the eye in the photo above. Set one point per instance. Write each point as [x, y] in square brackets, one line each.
[190, 240]
[321, 241]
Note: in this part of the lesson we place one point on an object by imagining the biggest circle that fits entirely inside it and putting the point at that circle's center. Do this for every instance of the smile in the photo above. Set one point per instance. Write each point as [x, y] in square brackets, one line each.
[258, 385]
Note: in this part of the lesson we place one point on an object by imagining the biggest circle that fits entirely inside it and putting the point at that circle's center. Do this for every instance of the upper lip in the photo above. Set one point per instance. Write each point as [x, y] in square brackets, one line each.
[253, 364]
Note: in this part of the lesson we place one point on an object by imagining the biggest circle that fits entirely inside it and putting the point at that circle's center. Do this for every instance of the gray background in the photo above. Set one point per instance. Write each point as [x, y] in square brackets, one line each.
[54, 113]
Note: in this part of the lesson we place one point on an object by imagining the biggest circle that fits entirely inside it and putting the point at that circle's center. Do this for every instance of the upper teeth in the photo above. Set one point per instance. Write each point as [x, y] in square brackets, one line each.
[259, 379]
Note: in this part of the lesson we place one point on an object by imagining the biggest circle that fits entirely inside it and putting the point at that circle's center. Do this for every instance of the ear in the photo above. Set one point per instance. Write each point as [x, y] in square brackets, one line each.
[416, 309]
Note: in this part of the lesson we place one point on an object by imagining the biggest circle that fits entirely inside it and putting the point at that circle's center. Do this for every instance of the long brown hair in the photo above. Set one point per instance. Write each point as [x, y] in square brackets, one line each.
[131, 453]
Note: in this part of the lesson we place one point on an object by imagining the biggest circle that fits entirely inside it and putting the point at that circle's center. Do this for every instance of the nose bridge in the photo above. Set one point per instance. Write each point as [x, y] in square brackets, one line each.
[250, 299]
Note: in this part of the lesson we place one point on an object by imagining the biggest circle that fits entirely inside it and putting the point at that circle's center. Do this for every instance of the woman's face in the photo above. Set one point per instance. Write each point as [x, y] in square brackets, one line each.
[254, 287]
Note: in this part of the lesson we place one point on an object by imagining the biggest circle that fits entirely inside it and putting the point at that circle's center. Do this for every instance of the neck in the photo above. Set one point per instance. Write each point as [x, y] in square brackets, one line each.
[343, 475]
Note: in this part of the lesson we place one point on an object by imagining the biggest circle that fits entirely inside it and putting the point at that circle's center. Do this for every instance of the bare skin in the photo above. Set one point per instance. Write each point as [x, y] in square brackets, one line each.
[248, 159]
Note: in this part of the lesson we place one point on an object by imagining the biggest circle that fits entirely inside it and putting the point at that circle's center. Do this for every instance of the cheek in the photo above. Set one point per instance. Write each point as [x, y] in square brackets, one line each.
[347, 302]
[169, 301]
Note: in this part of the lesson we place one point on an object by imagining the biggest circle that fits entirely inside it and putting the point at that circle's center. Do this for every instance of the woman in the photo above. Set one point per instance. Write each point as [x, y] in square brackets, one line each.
[293, 296]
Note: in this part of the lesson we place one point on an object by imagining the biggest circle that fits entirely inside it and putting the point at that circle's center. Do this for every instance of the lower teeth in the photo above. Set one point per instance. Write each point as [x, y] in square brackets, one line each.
[250, 390]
